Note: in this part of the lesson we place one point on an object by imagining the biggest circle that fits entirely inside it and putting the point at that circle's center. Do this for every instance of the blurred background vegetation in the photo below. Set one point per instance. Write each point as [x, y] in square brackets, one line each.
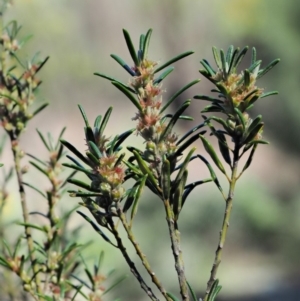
[262, 251]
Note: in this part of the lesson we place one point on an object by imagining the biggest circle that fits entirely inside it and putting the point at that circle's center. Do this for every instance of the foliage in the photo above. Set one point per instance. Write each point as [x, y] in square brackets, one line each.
[48, 270]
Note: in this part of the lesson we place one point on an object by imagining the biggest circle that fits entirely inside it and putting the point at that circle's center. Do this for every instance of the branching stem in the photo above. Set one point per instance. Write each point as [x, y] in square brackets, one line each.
[141, 255]
[225, 225]
[17, 159]
[131, 264]
[177, 253]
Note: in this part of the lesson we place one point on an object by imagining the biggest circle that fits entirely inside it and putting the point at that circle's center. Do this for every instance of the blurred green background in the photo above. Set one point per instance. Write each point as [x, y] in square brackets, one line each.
[262, 250]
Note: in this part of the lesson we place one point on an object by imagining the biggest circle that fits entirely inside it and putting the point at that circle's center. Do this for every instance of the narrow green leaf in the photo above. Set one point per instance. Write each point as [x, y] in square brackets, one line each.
[142, 41]
[60, 137]
[253, 133]
[166, 179]
[250, 158]
[131, 47]
[212, 173]
[177, 197]
[192, 292]
[82, 185]
[178, 93]
[212, 99]
[105, 120]
[223, 146]
[86, 121]
[235, 52]
[229, 54]
[193, 130]
[44, 140]
[112, 79]
[99, 264]
[163, 76]
[173, 120]
[134, 101]
[208, 68]
[224, 63]
[122, 138]
[39, 109]
[183, 168]
[97, 124]
[268, 68]
[94, 149]
[189, 188]
[217, 57]
[39, 168]
[240, 57]
[246, 78]
[253, 57]
[29, 225]
[173, 60]
[131, 197]
[240, 118]
[123, 64]
[269, 94]
[146, 43]
[119, 280]
[76, 167]
[74, 150]
[36, 189]
[96, 228]
[88, 273]
[144, 168]
[254, 67]
[210, 150]
[137, 198]
[172, 297]
[186, 144]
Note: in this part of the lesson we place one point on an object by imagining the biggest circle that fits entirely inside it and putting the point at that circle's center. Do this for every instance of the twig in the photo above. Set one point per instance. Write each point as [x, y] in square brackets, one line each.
[17, 159]
[141, 255]
[177, 253]
[225, 225]
[131, 264]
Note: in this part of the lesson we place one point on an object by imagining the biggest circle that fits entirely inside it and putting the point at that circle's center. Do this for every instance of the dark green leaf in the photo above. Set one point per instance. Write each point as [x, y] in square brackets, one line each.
[146, 43]
[177, 197]
[144, 168]
[268, 68]
[204, 97]
[114, 80]
[253, 57]
[173, 60]
[246, 78]
[119, 280]
[75, 151]
[94, 149]
[178, 93]
[217, 57]
[172, 297]
[123, 64]
[208, 68]
[212, 173]
[39, 109]
[45, 172]
[210, 150]
[96, 228]
[131, 196]
[240, 118]
[192, 292]
[134, 101]
[165, 179]
[269, 94]
[163, 76]
[131, 47]
[34, 188]
[44, 140]
[105, 120]
[250, 158]
[86, 121]
[239, 58]
[174, 119]
[82, 185]
[186, 144]
[137, 197]
[193, 130]
[253, 133]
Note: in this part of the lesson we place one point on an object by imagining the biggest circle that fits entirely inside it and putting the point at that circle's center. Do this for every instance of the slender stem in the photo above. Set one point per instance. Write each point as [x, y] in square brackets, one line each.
[131, 264]
[177, 253]
[225, 225]
[17, 159]
[141, 254]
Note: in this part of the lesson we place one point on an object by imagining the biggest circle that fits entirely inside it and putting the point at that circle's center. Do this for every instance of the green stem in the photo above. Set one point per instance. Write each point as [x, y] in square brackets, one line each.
[225, 225]
[131, 264]
[177, 253]
[142, 255]
[17, 159]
